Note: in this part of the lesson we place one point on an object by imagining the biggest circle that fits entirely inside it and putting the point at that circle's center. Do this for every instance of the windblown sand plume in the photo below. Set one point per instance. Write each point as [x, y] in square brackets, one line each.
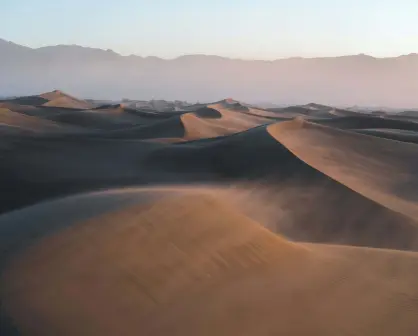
[207, 219]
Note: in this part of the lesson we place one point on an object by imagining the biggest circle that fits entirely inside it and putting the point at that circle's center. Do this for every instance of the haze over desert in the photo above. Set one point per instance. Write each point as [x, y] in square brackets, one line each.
[342, 81]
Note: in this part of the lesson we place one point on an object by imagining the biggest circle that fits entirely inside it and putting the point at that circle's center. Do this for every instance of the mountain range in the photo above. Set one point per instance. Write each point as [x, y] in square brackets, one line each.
[104, 74]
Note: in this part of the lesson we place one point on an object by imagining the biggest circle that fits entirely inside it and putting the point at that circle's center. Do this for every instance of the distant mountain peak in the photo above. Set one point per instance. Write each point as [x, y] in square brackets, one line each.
[76, 49]
[412, 55]
[9, 44]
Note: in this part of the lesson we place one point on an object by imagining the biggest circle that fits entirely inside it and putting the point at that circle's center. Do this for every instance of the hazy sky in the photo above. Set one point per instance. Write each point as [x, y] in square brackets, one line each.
[250, 29]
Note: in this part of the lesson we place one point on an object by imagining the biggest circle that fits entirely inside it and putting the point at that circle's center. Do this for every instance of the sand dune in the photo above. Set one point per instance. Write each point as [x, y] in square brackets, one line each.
[169, 276]
[346, 158]
[209, 122]
[93, 119]
[314, 111]
[24, 122]
[29, 100]
[36, 111]
[229, 120]
[55, 98]
[413, 114]
[67, 102]
[390, 133]
[368, 121]
[59, 99]
[292, 197]
[345, 113]
[212, 219]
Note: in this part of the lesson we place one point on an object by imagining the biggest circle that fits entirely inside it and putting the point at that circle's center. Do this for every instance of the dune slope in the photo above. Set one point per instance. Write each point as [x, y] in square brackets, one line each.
[182, 263]
[346, 157]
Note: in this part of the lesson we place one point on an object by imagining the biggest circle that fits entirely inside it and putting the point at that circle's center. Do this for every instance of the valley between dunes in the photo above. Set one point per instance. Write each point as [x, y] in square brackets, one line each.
[207, 219]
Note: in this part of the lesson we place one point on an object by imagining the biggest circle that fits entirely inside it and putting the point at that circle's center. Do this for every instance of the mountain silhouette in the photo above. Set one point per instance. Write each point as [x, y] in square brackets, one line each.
[96, 73]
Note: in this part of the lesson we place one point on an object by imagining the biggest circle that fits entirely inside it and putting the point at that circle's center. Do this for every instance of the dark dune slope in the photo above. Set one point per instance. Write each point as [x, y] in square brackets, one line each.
[390, 133]
[37, 168]
[36, 111]
[93, 119]
[368, 121]
[54, 98]
[31, 123]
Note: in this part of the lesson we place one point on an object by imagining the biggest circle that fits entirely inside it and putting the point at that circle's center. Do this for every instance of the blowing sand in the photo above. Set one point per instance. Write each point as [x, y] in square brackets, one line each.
[247, 222]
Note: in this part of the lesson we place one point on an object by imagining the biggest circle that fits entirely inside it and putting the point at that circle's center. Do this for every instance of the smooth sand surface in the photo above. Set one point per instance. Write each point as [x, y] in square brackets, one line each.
[223, 219]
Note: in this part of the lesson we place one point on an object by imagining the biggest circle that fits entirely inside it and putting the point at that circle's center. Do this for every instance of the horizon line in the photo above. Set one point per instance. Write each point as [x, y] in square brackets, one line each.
[208, 55]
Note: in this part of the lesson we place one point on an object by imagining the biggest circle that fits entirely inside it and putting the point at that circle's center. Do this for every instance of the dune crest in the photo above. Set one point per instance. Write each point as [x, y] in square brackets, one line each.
[54, 98]
[346, 158]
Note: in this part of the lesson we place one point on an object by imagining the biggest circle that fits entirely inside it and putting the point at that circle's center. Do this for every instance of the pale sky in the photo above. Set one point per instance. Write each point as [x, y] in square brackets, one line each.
[248, 29]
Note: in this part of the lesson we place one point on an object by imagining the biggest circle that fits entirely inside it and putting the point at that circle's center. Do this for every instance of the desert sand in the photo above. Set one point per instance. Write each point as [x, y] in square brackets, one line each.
[214, 219]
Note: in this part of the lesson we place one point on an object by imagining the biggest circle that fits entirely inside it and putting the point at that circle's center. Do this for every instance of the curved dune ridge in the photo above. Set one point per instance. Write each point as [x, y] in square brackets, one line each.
[346, 158]
[11, 120]
[54, 98]
[59, 99]
[209, 219]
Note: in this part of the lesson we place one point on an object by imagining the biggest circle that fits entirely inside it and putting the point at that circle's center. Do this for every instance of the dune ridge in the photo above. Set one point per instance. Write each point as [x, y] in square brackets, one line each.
[54, 98]
[348, 160]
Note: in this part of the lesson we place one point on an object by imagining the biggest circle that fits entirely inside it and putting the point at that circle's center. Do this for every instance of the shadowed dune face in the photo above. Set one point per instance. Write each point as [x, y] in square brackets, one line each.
[207, 112]
[30, 100]
[219, 219]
